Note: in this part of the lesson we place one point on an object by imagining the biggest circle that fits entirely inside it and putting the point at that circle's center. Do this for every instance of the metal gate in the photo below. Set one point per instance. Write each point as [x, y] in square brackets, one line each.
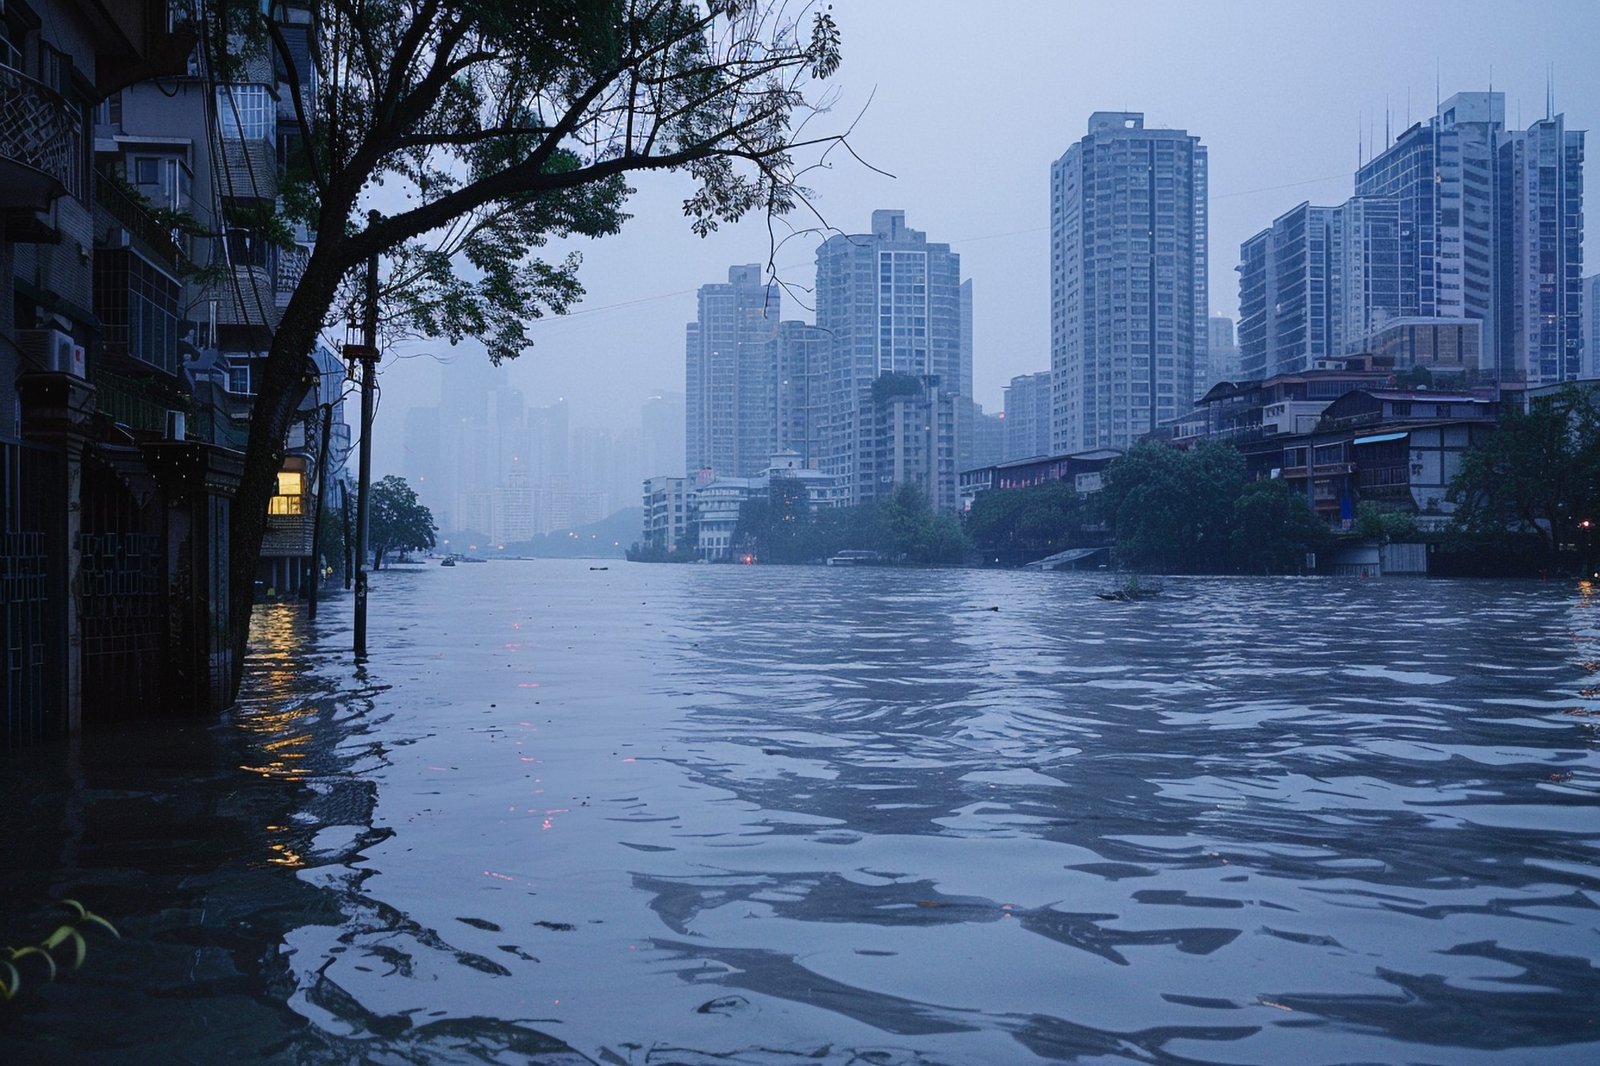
[121, 596]
[30, 704]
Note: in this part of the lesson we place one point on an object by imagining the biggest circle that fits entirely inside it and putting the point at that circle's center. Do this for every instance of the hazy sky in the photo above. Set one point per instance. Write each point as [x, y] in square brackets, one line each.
[970, 103]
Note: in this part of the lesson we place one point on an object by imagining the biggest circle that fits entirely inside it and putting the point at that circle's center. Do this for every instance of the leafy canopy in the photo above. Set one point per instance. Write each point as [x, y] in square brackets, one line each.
[1536, 476]
[483, 129]
[397, 520]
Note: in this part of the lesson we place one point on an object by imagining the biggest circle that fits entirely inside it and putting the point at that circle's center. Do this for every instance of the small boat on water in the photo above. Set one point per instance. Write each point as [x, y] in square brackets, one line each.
[853, 557]
[448, 560]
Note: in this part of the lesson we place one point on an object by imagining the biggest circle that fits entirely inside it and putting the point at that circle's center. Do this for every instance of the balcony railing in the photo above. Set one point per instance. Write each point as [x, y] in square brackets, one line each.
[245, 298]
[41, 131]
[134, 217]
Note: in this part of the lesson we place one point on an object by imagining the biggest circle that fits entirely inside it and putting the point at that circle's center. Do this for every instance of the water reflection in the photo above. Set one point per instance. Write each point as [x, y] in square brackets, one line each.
[696, 815]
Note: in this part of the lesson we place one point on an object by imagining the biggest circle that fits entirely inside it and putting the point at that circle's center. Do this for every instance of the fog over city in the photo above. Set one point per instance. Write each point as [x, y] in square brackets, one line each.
[960, 109]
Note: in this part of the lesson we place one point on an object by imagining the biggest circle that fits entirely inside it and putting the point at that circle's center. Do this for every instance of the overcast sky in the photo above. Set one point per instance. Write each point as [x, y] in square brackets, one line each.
[969, 105]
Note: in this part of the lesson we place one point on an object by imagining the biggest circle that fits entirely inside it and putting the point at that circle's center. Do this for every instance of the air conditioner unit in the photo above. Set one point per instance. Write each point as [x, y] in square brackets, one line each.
[51, 349]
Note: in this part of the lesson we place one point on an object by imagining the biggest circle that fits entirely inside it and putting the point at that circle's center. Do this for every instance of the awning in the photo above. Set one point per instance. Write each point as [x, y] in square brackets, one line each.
[1381, 437]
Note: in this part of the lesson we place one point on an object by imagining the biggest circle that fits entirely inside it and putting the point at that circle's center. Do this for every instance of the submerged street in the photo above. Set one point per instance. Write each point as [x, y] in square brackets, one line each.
[653, 814]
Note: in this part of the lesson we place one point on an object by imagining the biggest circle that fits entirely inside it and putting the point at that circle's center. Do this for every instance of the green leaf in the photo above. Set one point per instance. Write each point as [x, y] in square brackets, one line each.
[96, 919]
[17, 953]
[81, 948]
[11, 987]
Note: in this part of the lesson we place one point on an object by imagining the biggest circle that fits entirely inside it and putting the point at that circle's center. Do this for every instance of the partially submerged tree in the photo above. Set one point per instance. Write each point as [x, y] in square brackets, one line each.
[501, 124]
[399, 521]
[1537, 476]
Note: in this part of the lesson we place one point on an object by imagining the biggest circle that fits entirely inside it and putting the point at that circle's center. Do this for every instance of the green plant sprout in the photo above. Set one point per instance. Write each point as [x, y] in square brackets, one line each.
[11, 976]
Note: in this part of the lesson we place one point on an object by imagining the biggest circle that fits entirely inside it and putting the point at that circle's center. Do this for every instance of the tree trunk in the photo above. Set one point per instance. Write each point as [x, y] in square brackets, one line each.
[278, 395]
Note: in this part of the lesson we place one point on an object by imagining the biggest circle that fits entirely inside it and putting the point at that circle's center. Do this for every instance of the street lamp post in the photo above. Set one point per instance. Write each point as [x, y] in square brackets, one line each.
[366, 353]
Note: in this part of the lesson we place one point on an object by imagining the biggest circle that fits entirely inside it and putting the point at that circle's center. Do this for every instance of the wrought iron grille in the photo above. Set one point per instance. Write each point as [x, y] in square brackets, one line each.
[29, 704]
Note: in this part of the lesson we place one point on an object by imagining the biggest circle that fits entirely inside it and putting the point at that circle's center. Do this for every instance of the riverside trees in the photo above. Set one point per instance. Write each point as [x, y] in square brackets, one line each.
[1162, 509]
[494, 126]
[1535, 481]
[399, 521]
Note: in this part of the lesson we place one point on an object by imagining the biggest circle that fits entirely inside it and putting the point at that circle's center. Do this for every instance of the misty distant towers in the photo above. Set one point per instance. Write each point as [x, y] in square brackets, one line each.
[802, 396]
[1222, 354]
[890, 304]
[1027, 421]
[1128, 289]
[731, 376]
[661, 419]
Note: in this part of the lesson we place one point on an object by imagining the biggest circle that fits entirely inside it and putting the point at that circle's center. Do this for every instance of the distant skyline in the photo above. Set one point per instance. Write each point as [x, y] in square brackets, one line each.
[967, 111]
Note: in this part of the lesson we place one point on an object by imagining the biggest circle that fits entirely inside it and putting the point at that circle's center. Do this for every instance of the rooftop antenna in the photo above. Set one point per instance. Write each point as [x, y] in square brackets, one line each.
[1550, 92]
[1388, 137]
[1361, 149]
[1436, 97]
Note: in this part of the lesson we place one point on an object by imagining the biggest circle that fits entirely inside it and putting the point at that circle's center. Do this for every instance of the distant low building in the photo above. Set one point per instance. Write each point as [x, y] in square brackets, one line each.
[667, 504]
[1079, 469]
[1440, 345]
[1395, 447]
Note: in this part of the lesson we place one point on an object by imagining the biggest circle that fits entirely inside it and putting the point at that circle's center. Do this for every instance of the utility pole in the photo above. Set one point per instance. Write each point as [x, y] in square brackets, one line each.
[367, 353]
[316, 519]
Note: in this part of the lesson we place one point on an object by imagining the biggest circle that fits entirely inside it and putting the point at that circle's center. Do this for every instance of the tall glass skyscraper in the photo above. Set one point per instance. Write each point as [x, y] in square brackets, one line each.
[1316, 283]
[891, 304]
[1541, 236]
[1491, 228]
[1128, 291]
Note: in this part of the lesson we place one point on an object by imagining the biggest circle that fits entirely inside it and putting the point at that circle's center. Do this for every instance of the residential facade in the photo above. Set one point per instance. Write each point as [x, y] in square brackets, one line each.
[114, 500]
[1316, 283]
[1591, 324]
[1027, 416]
[1490, 224]
[731, 375]
[1128, 239]
[890, 303]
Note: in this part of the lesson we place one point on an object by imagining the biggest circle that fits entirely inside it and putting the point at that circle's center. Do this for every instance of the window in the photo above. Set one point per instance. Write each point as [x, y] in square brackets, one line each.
[146, 171]
[246, 112]
[289, 499]
[240, 379]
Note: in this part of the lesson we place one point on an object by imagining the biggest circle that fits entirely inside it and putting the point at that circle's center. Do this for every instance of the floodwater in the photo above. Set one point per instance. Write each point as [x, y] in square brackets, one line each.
[681, 814]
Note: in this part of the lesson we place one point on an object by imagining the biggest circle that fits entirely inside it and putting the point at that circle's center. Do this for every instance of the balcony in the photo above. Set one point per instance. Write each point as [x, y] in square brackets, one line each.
[250, 169]
[40, 137]
[123, 208]
[245, 298]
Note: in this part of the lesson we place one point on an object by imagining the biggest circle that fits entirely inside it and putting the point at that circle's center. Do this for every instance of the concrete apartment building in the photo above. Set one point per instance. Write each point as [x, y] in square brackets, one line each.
[1316, 283]
[890, 303]
[731, 376]
[1027, 420]
[1591, 324]
[1128, 258]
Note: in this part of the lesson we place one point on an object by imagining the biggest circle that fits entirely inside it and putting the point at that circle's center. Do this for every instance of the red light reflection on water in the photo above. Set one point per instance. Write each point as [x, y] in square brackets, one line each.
[527, 684]
[499, 877]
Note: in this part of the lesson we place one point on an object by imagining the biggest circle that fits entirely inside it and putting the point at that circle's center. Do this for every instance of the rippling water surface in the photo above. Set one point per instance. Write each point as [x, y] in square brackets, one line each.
[766, 815]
